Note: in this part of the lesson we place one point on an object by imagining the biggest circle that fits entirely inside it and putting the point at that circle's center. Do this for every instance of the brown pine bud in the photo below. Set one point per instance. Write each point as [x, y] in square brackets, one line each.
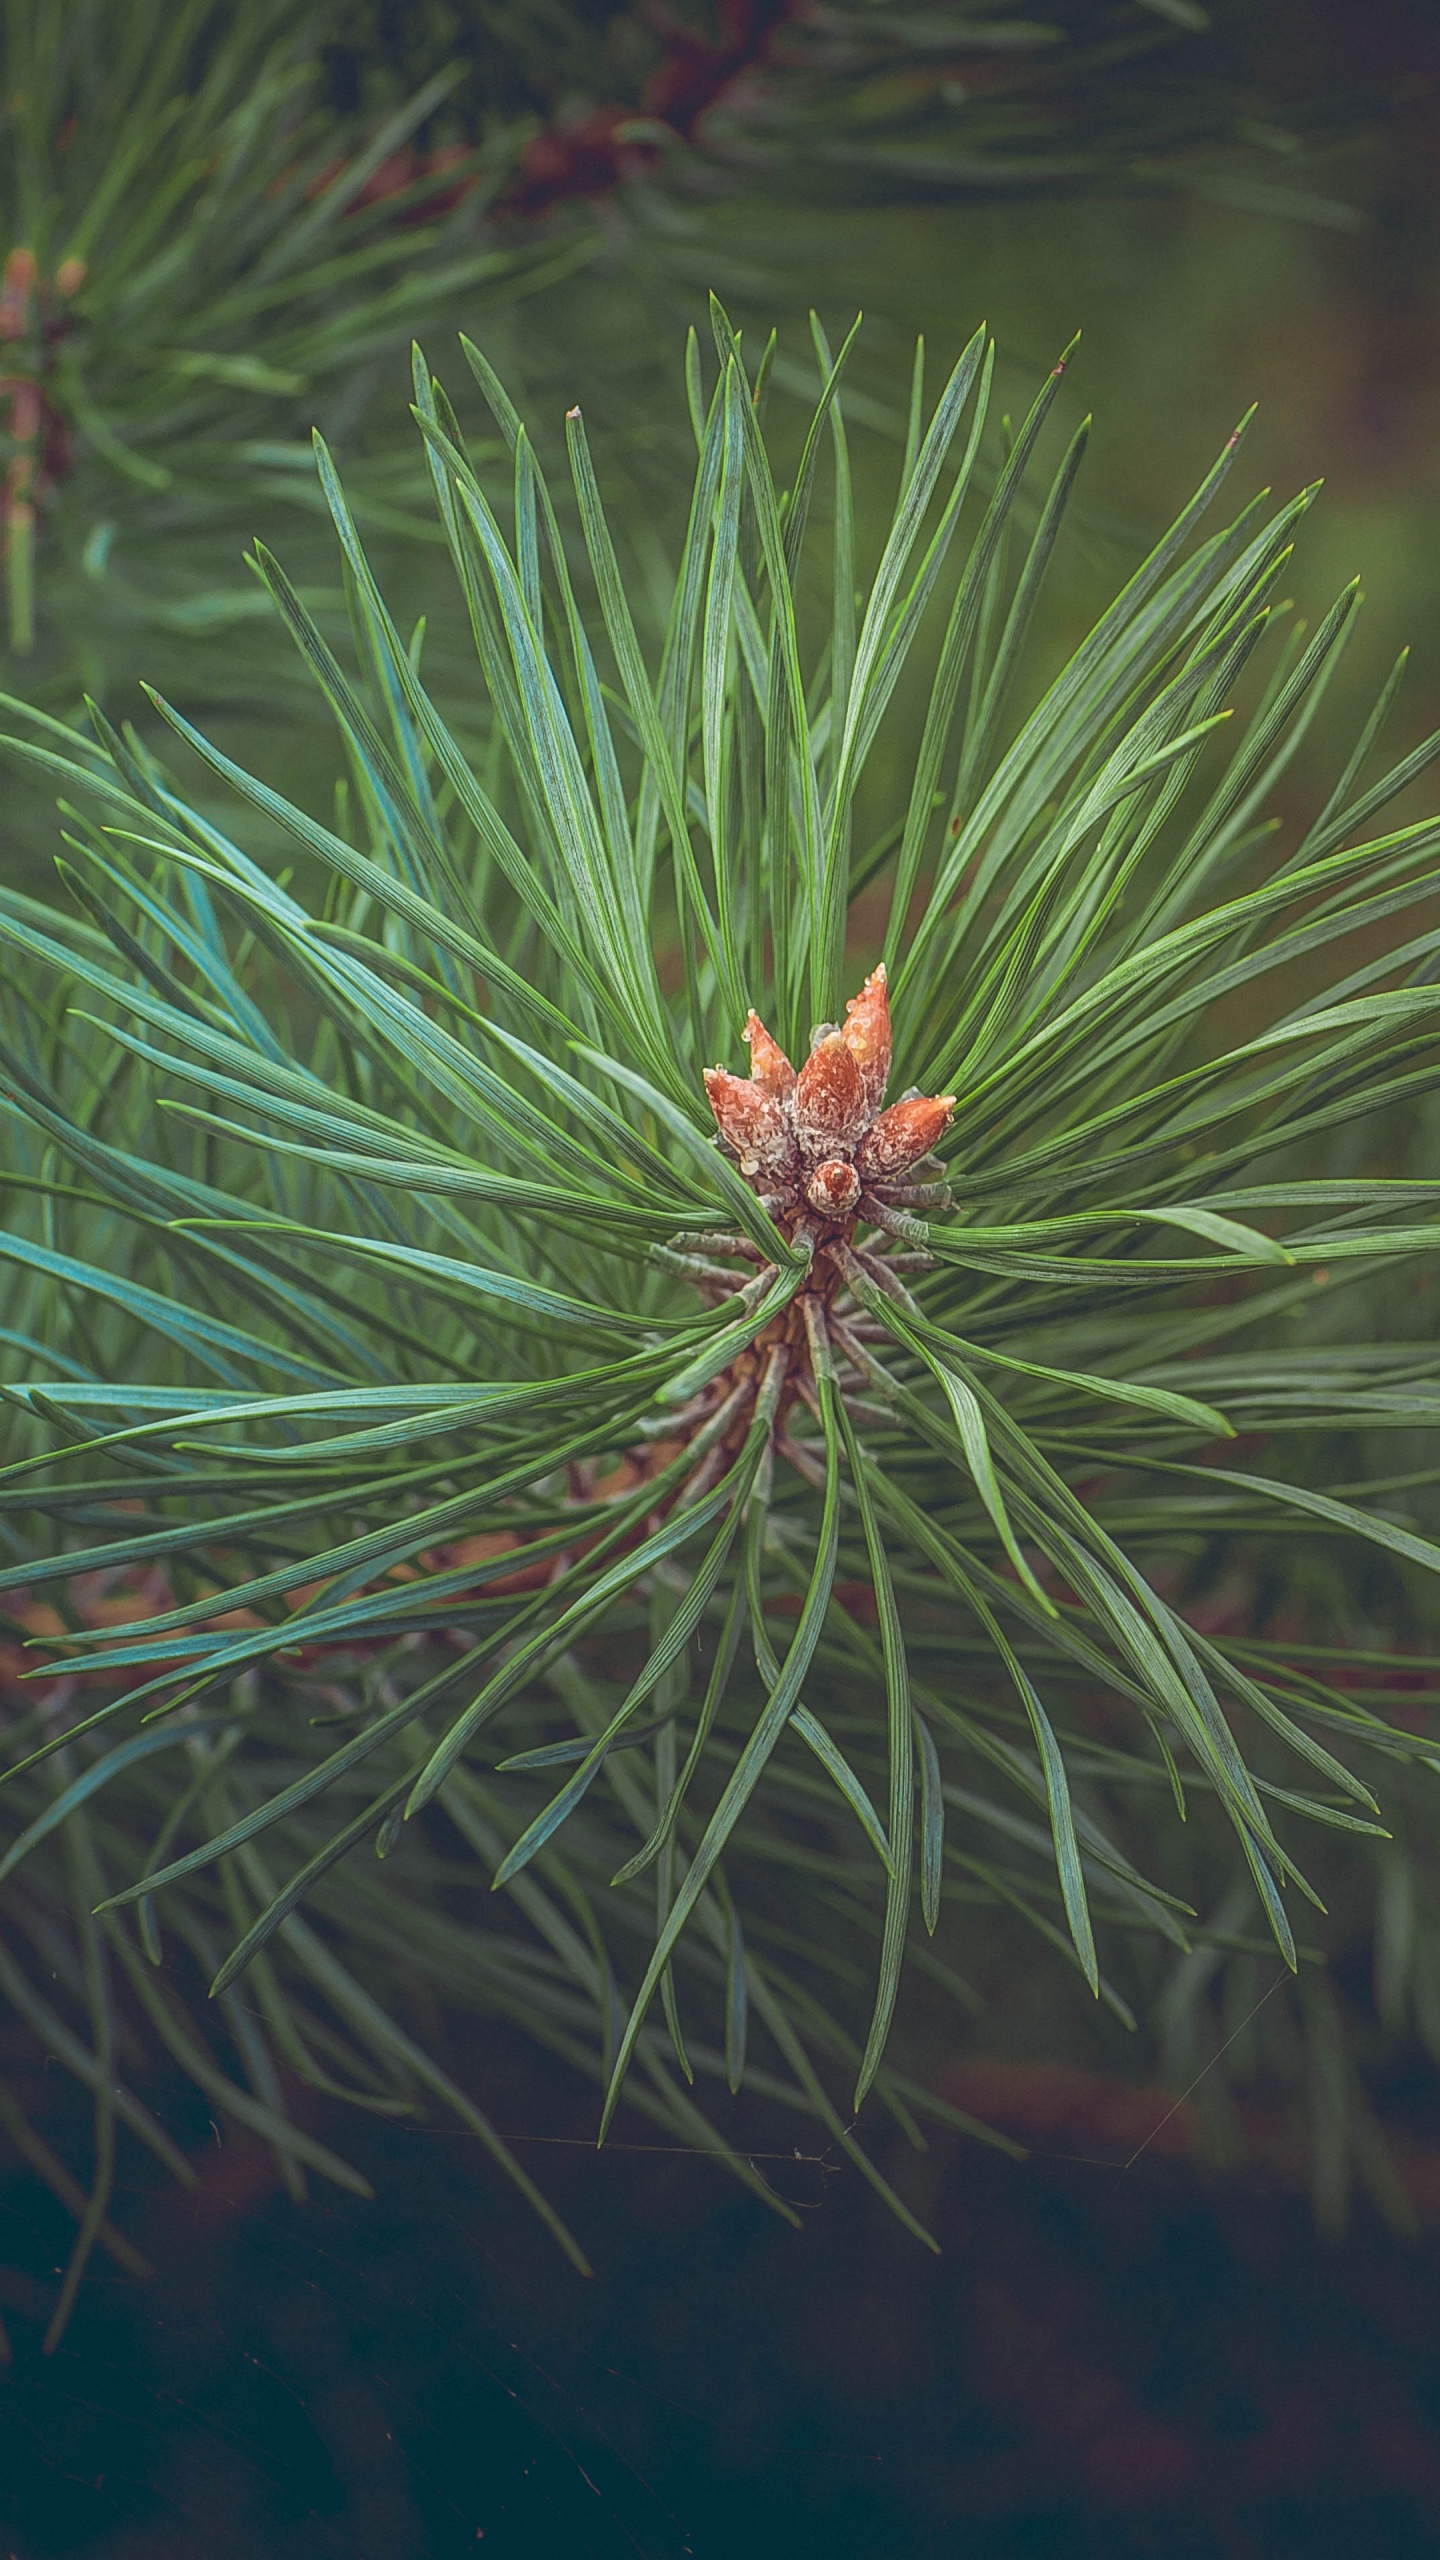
[753, 1124]
[901, 1135]
[833, 1188]
[768, 1063]
[830, 1096]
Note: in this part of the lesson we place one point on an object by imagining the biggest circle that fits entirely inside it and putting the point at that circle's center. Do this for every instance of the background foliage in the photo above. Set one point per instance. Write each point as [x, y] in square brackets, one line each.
[220, 228]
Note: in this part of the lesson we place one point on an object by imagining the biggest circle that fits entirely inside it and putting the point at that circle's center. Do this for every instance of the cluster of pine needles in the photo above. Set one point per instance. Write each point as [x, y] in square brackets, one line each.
[466, 1434]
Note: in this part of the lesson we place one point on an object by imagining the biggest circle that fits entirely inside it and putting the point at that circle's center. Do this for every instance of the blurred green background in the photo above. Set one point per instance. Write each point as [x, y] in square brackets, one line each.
[1298, 268]
[1307, 282]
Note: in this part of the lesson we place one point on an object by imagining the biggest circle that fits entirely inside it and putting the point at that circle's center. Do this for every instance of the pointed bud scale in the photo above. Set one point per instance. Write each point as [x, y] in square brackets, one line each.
[867, 1037]
[901, 1135]
[768, 1063]
[833, 1188]
[829, 1097]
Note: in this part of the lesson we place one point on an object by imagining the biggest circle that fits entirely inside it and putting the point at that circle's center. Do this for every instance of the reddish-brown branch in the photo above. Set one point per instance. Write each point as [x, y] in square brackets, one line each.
[590, 155]
[597, 152]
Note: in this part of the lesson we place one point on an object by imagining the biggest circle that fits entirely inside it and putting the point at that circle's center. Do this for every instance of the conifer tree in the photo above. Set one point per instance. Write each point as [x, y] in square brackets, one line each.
[613, 1434]
[217, 225]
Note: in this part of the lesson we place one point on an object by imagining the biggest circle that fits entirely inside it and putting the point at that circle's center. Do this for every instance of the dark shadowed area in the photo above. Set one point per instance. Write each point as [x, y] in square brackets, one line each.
[1104, 2360]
